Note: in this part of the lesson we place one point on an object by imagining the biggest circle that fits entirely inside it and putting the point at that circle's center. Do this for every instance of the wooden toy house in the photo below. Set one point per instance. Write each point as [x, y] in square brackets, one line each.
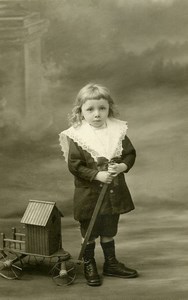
[42, 227]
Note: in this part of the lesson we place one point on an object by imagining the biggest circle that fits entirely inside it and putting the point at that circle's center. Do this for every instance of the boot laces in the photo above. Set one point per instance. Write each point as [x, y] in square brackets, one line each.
[90, 265]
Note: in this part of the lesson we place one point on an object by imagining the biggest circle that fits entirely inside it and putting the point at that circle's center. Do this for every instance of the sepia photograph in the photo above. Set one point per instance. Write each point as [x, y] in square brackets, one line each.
[93, 149]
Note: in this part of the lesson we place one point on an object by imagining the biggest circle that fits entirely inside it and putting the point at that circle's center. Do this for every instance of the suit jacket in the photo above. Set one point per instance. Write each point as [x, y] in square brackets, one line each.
[118, 199]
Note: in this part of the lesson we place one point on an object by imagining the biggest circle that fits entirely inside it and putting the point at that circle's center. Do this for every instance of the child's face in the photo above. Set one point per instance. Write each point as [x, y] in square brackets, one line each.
[95, 112]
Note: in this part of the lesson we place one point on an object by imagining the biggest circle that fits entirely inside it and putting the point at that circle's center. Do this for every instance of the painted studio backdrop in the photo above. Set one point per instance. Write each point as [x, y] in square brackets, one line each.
[48, 51]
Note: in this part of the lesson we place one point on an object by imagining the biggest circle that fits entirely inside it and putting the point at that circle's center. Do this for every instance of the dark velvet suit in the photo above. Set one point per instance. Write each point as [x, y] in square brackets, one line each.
[117, 200]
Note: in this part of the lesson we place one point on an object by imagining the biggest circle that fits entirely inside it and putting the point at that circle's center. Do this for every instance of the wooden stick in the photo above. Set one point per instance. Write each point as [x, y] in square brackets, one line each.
[93, 219]
[2, 242]
[14, 241]
[13, 233]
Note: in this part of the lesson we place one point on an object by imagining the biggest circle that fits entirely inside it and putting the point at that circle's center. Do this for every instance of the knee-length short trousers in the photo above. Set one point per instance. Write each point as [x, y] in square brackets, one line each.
[105, 225]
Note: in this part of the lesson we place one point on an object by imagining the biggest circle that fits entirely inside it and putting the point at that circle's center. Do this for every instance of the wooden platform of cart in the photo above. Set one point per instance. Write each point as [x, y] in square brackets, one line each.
[16, 245]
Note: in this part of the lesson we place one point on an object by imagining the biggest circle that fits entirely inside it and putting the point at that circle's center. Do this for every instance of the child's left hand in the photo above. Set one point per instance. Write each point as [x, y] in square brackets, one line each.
[115, 169]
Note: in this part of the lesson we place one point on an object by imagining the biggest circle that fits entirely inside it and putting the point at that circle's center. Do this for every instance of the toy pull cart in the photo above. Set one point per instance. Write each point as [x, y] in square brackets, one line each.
[42, 241]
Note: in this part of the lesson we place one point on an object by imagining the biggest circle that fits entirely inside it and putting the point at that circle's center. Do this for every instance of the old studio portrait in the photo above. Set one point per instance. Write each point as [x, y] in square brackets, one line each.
[93, 151]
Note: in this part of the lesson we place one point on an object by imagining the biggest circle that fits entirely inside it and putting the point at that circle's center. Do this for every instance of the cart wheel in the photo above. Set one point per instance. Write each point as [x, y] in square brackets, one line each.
[64, 273]
[2, 255]
[10, 265]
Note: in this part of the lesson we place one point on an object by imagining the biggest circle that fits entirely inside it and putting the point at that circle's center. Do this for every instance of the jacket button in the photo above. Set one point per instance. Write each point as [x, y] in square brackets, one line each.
[111, 191]
[101, 185]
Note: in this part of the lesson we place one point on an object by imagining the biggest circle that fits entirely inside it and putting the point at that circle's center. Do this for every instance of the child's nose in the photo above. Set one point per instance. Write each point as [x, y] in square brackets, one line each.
[97, 113]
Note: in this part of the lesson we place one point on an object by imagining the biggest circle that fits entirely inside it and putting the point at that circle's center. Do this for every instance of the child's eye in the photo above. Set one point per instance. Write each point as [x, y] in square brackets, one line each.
[89, 109]
[102, 107]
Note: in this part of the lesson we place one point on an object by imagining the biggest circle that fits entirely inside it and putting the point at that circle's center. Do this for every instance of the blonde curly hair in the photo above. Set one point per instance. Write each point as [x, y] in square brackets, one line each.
[89, 92]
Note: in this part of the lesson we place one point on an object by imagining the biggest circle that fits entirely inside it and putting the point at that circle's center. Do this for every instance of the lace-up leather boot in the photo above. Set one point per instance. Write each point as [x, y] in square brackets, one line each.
[90, 267]
[112, 267]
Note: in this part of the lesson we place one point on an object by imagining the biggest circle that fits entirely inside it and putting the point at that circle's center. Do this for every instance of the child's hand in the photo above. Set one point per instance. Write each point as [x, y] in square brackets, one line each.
[115, 169]
[104, 176]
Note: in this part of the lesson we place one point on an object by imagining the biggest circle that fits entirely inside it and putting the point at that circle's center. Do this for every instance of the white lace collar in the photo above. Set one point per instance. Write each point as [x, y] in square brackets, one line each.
[86, 138]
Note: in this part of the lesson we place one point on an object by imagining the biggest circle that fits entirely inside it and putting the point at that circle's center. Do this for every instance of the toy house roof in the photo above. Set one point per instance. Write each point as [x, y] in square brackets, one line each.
[38, 212]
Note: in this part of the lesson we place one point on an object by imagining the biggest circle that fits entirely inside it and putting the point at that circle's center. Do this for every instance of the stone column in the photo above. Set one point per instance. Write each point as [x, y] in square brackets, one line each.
[20, 60]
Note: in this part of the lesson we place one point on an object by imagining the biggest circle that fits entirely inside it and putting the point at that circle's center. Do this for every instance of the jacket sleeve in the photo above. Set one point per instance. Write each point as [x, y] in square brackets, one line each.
[77, 163]
[128, 154]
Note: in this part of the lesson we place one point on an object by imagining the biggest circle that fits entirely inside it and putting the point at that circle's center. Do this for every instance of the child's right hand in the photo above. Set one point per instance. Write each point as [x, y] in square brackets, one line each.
[104, 176]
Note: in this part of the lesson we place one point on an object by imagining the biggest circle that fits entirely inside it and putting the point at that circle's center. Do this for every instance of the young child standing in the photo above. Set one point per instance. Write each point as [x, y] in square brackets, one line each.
[96, 138]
